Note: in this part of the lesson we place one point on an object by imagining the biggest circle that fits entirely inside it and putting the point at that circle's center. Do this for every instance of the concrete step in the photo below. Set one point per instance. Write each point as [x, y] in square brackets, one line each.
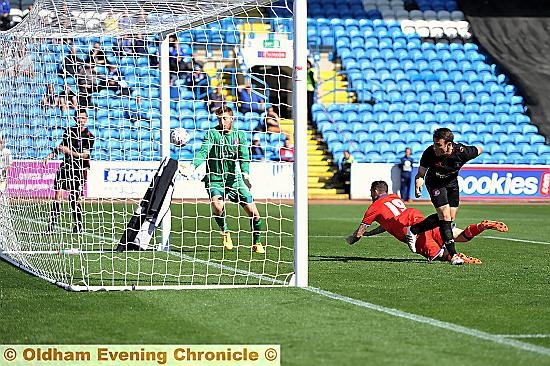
[339, 196]
[318, 163]
[327, 74]
[318, 179]
[317, 170]
[315, 151]
[331, 85]
[325, 191]
[315, 185]
[316, 175]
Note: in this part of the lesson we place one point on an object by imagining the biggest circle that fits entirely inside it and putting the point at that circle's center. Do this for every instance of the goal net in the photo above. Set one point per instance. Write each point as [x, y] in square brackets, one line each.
[136, 71]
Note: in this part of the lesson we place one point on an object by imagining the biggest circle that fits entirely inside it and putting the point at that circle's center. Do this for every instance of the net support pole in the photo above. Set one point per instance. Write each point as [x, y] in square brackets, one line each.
[165, 129]
[300, 144]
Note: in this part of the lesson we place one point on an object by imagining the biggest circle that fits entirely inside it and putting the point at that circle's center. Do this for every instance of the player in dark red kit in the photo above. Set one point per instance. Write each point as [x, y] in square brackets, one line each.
[394, 217]
[77, 143]
[440, 164]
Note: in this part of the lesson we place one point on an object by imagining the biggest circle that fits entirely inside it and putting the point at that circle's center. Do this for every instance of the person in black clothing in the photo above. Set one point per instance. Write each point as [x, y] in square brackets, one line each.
[440, 165]
[77, 144]
[96, 56]
[71, 64]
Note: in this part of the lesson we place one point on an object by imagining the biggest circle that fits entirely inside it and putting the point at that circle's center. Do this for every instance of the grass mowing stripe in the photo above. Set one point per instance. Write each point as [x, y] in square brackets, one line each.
[434, 322]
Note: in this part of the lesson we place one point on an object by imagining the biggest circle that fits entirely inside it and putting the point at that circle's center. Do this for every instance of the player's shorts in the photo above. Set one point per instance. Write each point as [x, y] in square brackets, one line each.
[69, 179]
[236, 192]
[427, 243]
[442, 195]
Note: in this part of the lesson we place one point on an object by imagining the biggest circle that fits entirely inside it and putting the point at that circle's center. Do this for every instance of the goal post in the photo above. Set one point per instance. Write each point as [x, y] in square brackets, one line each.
[137, 71]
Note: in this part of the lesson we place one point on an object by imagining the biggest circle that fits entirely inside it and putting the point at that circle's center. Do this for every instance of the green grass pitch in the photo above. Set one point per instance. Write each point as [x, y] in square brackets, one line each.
[377, 303]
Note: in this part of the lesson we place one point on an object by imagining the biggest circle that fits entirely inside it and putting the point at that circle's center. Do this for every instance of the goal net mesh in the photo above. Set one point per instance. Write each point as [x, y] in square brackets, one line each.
[106, 58]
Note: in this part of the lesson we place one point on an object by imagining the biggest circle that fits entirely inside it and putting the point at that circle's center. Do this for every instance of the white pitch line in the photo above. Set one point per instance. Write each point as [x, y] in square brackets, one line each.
[517, 240]
[524, 335]
[434, 322]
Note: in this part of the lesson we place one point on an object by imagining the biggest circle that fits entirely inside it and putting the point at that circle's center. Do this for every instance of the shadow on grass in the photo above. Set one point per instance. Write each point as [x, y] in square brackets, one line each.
[333, 258]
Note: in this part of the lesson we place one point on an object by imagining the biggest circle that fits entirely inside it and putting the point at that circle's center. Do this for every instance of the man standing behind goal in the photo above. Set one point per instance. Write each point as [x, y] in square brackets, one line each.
[77, 143]
[440, 164]
[227, 167]
[5, 164]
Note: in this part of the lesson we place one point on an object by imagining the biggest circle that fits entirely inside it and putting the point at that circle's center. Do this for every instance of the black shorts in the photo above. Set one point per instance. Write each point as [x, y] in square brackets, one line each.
[443, 194]
[69, 179]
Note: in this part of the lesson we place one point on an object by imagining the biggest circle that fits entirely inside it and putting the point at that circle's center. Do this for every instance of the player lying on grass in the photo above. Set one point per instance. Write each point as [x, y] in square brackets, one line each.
[394, 217]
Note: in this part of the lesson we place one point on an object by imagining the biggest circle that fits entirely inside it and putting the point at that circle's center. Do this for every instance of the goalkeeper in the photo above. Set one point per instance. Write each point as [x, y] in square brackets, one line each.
[227, 158]
[394, 217]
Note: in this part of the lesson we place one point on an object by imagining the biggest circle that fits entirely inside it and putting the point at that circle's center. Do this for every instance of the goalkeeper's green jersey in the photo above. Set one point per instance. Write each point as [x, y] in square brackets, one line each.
[226, 155]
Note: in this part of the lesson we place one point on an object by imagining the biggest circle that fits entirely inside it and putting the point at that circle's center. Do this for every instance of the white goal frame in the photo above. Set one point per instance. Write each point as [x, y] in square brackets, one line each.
[300, 224]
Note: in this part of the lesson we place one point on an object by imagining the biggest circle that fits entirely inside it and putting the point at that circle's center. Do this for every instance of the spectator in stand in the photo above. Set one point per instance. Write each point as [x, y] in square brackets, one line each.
[111, 22]
[115, 81]
[272, 121]
[138, 44]
[28, 10]
[96, 56]
[405, 166]
[311, 84]
[126, 21]
[216, 99]
[286, 152]
[50, 99]
[24, 65]
[68, 99]
[141, 20]
[87, 84]
[64, 17]
[179, 58]
[344, 173]
[5, 18]
[197, 82]
[124, 46]
[250, 101]
[71, 64]
[256, 151]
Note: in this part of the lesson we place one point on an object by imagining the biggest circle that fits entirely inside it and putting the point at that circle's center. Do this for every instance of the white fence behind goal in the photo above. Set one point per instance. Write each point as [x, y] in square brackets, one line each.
[135, 88]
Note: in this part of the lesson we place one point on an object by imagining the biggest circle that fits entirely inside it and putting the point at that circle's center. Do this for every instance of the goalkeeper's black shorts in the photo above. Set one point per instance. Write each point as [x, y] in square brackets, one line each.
[69, 179]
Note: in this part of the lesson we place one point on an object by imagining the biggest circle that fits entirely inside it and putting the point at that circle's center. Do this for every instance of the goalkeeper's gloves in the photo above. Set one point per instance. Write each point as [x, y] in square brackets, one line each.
[246, 180]
[186, 169]
[418, 183]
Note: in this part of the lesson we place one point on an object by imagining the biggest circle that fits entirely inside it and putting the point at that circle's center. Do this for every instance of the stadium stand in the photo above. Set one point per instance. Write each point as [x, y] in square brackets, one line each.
[422, 72]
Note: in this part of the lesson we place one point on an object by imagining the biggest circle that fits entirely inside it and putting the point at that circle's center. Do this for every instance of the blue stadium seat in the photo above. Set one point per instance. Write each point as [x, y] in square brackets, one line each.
[373, 157]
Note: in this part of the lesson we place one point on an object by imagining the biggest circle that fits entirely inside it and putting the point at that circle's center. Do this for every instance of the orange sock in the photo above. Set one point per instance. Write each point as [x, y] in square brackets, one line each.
[472, 231]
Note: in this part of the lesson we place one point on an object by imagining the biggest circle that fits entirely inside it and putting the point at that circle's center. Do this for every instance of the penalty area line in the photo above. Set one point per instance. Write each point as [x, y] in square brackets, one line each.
[524, 335]
[495, 338]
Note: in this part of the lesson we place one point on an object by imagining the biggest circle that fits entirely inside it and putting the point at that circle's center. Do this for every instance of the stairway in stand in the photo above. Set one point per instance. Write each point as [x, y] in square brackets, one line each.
[320, 171]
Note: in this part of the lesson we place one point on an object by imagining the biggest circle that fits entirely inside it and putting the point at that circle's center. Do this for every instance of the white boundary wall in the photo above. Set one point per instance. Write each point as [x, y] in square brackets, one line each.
[123, 179]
